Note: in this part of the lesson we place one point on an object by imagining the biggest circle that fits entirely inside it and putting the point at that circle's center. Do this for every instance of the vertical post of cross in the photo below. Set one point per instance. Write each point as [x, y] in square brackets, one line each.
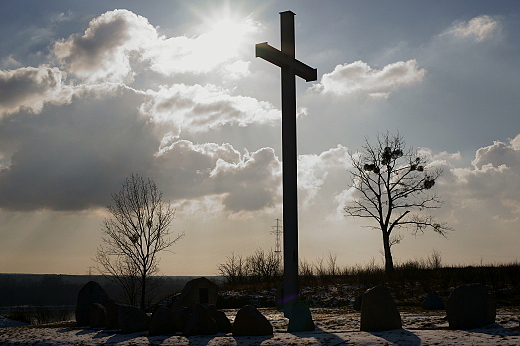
[285, 58]
[290, 166]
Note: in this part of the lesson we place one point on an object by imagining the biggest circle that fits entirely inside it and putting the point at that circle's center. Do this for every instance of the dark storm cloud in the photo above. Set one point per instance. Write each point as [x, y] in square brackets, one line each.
[72, 157]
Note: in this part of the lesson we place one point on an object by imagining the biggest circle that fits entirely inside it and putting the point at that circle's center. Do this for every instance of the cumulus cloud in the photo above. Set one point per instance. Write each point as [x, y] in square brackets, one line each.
[251, 184]
[203, 53]
[488, 189]
[443, 156]
[499, 154]
[201, 108]
[237, 69]
[313, 171]
[359, 79]
[479, 28]
[117, 39]
[30, 88]
[247, 182]
[102, 52]
[9, 63]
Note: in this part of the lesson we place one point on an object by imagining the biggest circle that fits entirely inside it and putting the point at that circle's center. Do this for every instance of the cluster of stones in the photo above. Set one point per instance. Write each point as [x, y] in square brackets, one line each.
[468, 306]
[95, 309]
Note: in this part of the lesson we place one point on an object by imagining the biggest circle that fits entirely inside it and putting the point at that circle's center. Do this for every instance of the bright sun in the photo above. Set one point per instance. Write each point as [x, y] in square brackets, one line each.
[224, 34]
[225, 29]
[227, 35]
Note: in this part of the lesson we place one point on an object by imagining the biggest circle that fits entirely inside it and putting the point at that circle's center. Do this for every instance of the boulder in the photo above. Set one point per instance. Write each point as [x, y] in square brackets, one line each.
[432, 302]
[250, 322]
[358, 302]
[470, 306]
[181, 317]
[89, 294]
[132, 319]
[378, 311]
[301, 318]
[112, 312]
[200, 322]
[201, 290]
[223, 323]
[162, 322]
[96, 315]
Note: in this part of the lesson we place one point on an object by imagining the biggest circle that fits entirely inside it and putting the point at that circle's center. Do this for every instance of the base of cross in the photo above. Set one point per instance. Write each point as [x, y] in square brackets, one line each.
[298, 313]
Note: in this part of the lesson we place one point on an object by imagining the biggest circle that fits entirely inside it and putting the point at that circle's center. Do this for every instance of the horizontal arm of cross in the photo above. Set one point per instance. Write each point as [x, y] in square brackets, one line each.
[273, 55]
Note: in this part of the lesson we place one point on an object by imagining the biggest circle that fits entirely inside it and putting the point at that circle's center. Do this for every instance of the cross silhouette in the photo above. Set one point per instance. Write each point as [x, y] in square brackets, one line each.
[285, 58]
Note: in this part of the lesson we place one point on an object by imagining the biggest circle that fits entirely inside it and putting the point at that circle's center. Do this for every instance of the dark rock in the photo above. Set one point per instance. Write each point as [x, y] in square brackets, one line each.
[301, 318]
[96, 315]
[170, 300]
[200, 322]
[132, 319]
[201, 290]
[162, 322]
[378, 311]
[433, 302]
[250, 322]
[223, 323]
[181, 317]
[358, 302]
[112, 312]
[470, 306]
[89, 294]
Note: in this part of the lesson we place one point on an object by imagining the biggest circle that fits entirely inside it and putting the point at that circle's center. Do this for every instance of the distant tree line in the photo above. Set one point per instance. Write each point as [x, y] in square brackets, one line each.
[53, 290]
[49, 290]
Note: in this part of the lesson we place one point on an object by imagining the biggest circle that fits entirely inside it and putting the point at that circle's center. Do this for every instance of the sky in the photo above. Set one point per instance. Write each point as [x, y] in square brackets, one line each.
[93, 91]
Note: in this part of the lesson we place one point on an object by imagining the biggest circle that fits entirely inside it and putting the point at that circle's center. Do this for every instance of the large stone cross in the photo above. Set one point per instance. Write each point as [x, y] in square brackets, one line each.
[285, 58]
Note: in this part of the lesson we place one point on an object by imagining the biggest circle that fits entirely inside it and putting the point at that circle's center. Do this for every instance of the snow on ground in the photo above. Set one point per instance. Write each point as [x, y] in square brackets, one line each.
[335, 327]
[5, 322]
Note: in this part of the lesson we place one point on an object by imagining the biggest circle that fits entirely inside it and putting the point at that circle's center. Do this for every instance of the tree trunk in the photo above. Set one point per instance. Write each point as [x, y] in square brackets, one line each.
[389, 263]
[143, 291]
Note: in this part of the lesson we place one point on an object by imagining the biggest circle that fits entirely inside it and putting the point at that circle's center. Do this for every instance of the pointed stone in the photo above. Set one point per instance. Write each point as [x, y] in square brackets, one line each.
[301, 318]
[378, 311]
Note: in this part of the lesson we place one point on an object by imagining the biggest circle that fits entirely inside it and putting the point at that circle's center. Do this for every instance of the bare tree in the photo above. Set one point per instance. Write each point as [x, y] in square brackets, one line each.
[233, 270]
[137, 231]
[259, 267]
[390, 182]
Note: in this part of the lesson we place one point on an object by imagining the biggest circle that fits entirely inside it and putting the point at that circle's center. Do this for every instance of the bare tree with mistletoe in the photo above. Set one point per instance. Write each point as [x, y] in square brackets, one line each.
[393, 186]
[132, 238]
